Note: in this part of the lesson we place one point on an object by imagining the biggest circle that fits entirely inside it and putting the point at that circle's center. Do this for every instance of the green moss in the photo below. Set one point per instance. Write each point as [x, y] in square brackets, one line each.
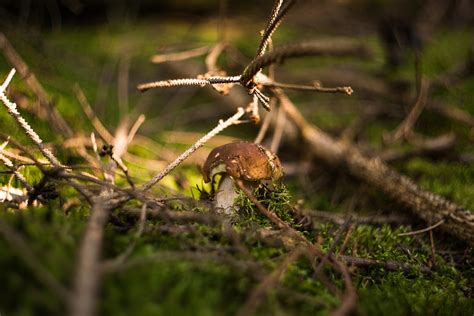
[276, 199]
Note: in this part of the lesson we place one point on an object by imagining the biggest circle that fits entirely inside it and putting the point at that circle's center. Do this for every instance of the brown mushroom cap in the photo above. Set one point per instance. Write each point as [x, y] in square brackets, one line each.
[243, 160]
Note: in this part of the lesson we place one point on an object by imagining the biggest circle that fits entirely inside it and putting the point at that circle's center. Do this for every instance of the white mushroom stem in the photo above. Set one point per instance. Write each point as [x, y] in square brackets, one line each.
[225, 196]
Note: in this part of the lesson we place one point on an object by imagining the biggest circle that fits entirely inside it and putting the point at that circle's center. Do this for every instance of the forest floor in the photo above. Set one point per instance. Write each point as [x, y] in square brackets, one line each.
[181, 265]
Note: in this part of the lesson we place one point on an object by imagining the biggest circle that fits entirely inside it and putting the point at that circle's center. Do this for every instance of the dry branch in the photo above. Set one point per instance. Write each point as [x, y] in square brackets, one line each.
[428, 206]
[219, 128]
[13, 111]
[88, 275]
[335, 48]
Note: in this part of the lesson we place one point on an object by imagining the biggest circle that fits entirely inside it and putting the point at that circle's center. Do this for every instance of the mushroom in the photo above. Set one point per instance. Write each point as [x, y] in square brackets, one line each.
[246, 161]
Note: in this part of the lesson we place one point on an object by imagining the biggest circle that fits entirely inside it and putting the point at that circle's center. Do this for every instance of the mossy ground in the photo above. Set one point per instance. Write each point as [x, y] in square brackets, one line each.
[180, 286]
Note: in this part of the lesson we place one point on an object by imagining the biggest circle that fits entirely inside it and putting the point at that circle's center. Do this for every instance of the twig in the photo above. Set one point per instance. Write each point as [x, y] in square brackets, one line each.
[265, 124]
[337, 48]
[219, 128]
[211, 59]
[12, 109]
[191, 53]
[97, 155]
[7, 162]
[424, 230]
[119, 162]
[88, 274]
[98, 126]
[268, 283]
[315, 87]
[187, 82]
[278, 130]
[276, 17]
[405, 128]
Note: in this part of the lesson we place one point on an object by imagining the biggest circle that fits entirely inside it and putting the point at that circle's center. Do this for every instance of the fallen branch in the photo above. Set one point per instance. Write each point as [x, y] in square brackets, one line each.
[88, 275]
[428, 206]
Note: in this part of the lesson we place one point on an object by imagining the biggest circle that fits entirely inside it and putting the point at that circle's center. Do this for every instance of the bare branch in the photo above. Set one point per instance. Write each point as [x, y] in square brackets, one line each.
[276, 17]
[187, 82]
[337, 48]
[12, 109]
[424, 230]
[98, 126]
[219, 128]
[88, 275]
[191, 53]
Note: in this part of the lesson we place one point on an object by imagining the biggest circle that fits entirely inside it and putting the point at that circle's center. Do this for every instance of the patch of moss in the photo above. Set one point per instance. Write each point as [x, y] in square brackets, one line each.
[276, 199]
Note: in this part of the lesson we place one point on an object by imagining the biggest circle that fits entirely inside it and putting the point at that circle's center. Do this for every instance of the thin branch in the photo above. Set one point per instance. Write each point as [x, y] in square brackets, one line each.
[133, 131]
[98, 126]
[7, 162]
[276, 17]
[88, 274]
[187, 82]
[219, 128]
[424, 230]
[405, 128]
[179, 56]
[278, 130]
[265, 124]
[315, 87]
[119, 162]
[211, 59]
[13, 111]
[336, 48]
